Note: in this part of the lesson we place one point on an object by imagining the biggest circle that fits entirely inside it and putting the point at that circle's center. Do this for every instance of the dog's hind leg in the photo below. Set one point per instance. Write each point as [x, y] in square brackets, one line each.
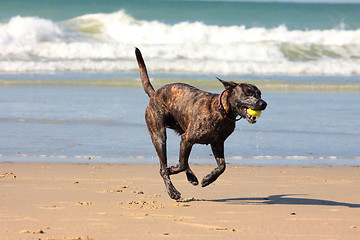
[158, 137]
[159, 141]
[171, 190]
[191, 177]
[185, 149]
[218, 151]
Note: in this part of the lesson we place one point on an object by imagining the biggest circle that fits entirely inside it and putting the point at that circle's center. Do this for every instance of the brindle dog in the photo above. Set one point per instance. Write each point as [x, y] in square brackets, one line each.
[199, 117]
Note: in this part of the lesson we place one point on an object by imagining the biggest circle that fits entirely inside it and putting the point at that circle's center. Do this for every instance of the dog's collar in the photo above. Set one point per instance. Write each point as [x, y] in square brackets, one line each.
[223, 111]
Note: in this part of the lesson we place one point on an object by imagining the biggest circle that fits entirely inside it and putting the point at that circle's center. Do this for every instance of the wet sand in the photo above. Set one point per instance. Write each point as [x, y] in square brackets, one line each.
[129, 201]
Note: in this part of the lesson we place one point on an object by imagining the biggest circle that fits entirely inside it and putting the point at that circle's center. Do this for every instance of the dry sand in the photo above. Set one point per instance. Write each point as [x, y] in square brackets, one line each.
[119, 201]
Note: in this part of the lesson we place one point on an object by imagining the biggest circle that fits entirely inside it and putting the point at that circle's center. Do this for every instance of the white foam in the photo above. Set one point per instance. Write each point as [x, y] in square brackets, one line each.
[123, 28]
[26, 30]
[104, 43]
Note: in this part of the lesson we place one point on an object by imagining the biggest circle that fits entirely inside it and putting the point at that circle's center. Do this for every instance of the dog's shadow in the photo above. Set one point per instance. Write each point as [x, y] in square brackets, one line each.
[284, 199]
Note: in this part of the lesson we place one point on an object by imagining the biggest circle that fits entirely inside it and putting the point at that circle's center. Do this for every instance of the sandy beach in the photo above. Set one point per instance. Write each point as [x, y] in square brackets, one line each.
[128, 201]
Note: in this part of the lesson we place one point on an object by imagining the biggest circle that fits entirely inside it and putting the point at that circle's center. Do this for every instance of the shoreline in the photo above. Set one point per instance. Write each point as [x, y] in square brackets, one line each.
[325, 84]
[279, 161]
[128, 201]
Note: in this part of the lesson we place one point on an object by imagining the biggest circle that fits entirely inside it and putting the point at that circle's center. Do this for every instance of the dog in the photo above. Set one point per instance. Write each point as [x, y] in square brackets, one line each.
[199, 117]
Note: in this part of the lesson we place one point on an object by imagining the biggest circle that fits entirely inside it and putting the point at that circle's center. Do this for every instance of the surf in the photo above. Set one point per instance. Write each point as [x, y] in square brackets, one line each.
[103, 42]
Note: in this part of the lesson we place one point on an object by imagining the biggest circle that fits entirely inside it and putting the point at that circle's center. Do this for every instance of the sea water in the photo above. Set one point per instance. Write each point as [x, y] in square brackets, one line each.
[217, 37]
[70, 90]
[107, 124]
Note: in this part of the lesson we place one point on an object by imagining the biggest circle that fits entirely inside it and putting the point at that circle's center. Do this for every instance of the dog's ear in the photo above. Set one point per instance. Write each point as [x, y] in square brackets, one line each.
[229, 85]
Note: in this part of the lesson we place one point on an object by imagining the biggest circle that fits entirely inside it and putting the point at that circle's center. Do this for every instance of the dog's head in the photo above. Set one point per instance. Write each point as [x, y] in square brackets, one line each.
[244, 96]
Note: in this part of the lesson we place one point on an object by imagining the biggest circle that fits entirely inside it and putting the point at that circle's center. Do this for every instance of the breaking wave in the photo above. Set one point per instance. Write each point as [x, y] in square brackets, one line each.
[104, 43]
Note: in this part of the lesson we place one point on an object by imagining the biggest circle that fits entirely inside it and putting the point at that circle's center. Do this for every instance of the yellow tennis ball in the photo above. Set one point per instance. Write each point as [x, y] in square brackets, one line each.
[254, 113]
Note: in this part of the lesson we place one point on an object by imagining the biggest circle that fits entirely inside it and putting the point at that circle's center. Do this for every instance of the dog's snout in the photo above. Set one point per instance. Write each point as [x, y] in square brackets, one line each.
[261, 105]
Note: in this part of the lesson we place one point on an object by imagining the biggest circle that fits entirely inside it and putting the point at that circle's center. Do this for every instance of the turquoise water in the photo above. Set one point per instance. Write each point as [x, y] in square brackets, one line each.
[72, 123]
[70, 89]
[217, 37]
[299, 15]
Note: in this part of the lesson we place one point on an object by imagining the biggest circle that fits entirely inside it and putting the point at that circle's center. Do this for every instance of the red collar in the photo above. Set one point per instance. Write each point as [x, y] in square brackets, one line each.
[222, 109]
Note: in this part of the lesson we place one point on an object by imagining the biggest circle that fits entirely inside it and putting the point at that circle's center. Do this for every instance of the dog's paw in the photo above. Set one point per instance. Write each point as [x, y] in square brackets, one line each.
[208, 179]
[205, 183]
[174, 194]
[192, 178]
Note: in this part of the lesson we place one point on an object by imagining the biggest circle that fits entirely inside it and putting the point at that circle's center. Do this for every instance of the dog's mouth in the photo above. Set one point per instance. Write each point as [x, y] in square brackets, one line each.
[251, 115]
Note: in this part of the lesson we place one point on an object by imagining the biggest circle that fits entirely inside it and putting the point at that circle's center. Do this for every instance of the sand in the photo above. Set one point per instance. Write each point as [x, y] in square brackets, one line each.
[129, 201]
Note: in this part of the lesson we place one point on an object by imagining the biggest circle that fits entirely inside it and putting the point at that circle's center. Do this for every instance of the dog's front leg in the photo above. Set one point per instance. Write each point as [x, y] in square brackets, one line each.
[218, 151]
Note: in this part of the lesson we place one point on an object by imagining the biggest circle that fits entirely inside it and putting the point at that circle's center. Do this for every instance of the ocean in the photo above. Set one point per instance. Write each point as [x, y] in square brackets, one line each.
[70, 87]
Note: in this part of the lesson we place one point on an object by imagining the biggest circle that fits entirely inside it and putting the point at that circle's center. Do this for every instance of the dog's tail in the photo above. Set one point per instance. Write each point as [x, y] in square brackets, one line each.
[143, 74]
